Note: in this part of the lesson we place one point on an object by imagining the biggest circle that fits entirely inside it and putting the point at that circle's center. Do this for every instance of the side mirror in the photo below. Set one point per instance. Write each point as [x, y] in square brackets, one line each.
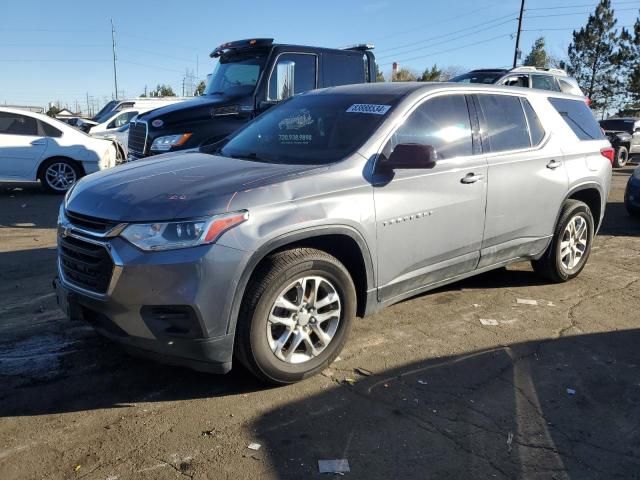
[411, 156]
[285, 79]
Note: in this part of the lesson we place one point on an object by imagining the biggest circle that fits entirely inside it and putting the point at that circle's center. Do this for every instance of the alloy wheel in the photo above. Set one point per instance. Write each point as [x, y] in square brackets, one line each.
[60, 176]
[574, 242]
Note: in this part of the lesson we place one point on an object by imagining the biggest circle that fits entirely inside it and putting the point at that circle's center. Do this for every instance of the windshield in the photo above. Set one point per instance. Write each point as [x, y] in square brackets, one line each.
[478, 77]
[104, 110]
[311, 129]
[236, 75]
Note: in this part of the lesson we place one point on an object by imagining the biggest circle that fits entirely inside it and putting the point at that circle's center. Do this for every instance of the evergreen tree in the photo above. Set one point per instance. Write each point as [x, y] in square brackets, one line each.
[200, 89]
[379, 74]
[633, 83]
[538, 56]
[432, 74]
[593, 56]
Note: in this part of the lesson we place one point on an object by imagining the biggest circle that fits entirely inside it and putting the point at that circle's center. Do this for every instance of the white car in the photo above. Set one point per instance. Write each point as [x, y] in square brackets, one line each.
[36, 147]
[118, 135]
[111, 122]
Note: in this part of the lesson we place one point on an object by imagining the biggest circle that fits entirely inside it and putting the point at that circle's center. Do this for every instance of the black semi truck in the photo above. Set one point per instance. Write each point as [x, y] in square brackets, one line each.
[251, 76]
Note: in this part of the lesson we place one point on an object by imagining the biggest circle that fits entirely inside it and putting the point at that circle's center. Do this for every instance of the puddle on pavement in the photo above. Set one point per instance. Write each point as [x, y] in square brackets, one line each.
[36, 356]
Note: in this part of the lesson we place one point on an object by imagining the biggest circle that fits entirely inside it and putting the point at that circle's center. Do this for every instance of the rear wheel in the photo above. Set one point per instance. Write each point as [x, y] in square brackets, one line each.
[622, 157]
[570, 247]
[295, 316]
[57, 175]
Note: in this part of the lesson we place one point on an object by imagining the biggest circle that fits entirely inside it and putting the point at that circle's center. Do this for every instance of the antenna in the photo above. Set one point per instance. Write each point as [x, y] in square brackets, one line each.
[113, 44]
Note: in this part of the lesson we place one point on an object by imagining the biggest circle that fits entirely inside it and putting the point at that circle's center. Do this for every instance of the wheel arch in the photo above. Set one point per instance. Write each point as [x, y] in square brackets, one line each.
[591, 194]
[343, 242]
[41, 167]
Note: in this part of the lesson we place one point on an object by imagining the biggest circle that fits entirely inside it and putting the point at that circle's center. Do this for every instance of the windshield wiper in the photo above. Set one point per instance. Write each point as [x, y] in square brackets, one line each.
[248, 156]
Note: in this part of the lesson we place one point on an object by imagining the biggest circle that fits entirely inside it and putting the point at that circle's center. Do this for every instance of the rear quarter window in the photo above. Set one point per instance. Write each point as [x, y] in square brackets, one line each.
[577, 115]
[342, 70]
[506, 125]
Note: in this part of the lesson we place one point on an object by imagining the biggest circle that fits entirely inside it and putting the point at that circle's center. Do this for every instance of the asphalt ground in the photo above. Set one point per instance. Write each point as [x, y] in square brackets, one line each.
[464, 382]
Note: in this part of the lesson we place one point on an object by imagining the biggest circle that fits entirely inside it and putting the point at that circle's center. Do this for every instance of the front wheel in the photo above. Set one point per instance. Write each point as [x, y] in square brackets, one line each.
[570, 247]
[622, 157]
[295, 316]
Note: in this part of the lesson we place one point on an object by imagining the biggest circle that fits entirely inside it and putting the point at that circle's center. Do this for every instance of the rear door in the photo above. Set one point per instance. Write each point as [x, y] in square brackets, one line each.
[22, 145]
[527, 179]
[429, 222]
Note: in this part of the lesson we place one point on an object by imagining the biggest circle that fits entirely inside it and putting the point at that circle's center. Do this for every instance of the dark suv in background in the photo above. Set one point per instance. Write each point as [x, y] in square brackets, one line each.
[624, 135]
[251, 76]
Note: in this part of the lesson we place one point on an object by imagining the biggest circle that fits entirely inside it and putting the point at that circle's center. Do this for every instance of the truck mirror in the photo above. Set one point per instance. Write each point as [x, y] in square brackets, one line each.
[285, 79]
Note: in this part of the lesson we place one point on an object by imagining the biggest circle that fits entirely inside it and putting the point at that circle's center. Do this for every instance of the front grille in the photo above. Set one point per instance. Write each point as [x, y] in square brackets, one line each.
[85, 264]
[94, 224]
[137, 138]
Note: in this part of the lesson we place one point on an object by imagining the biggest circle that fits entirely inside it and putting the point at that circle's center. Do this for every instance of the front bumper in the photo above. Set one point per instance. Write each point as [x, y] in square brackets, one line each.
[200, 280]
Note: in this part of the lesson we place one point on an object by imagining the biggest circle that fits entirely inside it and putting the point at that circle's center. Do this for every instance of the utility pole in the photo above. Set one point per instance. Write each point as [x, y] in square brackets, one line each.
[517, 50]
[113, 44]
[183, 79]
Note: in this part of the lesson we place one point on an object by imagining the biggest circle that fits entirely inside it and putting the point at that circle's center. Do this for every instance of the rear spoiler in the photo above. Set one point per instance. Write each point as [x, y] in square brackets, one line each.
[241, 45]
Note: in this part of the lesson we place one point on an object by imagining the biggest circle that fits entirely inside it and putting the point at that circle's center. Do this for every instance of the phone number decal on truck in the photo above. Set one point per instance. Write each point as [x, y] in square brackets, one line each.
[368, 108]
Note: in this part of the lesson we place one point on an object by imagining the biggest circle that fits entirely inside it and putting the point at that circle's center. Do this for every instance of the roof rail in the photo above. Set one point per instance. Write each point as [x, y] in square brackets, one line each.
[241, 44]
[361, 47]
[527, 68]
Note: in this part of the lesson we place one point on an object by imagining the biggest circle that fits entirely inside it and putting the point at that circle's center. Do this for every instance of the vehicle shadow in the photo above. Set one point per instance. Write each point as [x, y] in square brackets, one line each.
[618, 222]
[27, 205]
[563, 408]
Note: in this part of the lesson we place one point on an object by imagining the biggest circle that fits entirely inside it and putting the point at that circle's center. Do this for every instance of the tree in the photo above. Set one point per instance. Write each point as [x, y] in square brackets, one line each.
[200, 89]
[162, 91]
[53, 111]
[633, 82]
[404, 75]
[538, 56]
[593, 56]
[453, 71]
[379, 74]
[432, 74]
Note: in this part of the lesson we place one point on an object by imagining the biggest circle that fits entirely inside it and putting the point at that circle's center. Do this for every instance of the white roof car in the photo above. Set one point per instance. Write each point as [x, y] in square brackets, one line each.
[36, 147]
[111, 122]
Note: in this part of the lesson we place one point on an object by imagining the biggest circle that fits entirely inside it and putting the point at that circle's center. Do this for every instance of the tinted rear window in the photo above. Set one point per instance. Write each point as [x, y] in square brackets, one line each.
[342, 70]
[506, 124]
[579, 117]
[618, 125]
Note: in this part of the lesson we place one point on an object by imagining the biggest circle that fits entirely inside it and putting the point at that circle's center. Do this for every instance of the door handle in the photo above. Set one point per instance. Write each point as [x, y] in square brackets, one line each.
[553, 164]
[471, 178]
[38, 142]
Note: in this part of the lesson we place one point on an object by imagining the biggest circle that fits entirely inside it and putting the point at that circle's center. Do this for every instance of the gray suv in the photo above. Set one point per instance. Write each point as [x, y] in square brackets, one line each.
[332, 205]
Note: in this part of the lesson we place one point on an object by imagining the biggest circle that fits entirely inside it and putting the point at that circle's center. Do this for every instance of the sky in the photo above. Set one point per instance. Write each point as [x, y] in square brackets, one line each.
[61, 50]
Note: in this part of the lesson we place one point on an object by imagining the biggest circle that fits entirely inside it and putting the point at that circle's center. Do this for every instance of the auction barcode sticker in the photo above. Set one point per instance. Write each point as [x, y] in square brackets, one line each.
[368, 108]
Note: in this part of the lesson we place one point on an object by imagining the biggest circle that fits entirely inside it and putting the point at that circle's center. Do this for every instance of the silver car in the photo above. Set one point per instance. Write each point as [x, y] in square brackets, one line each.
[332, 205]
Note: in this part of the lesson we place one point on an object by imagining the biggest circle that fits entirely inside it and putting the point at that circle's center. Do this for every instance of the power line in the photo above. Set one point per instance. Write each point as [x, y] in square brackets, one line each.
[471, 27]
[566, 28]
[574, 13]
[578, 6]
[450, 49]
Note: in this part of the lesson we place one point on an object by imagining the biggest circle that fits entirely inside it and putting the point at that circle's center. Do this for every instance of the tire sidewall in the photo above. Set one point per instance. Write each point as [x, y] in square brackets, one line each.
[568, 215]
[272, 367]
[624, 153]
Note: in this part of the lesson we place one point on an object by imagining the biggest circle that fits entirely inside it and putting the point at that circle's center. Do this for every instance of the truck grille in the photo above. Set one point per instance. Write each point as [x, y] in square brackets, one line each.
[84, 264]
[86, 222]
[137, 139]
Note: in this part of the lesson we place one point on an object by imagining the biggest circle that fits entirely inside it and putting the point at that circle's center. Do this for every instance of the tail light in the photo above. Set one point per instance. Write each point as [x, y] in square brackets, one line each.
[587, 100]
[609, 153]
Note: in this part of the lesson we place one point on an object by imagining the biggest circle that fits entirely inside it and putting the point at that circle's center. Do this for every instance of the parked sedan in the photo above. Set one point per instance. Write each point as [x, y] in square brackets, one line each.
[632, 194]
[36, 147]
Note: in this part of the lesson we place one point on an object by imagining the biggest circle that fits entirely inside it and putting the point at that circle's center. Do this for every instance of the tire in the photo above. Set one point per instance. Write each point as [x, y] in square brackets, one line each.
[622, 157]
[69, 173]
[552, 264]
[265, 347]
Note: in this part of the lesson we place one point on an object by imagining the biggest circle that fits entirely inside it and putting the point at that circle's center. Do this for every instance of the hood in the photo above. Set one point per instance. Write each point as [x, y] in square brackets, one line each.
[172, 186]
[197, 109]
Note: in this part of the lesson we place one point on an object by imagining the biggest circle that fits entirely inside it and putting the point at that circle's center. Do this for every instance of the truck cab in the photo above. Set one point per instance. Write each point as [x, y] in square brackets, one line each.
[250, 76]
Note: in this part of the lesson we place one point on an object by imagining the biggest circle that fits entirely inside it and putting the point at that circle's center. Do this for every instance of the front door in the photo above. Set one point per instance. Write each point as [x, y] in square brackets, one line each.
[430, 221]
[22, 145]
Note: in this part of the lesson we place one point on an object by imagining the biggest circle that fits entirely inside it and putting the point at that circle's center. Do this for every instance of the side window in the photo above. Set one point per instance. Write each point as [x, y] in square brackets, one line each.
[567, 87]
[579, 117]
[544, 82]
[121, 120]
[516, 81]
[47, 130]
[342, 69]
[506, 125]
[535, 127]
[14, 124]
[442, 122]
[292, 74]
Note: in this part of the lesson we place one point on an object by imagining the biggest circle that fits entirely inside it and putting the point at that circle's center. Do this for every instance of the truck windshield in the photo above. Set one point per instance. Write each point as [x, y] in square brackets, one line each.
[236, 75]
[312, 129]
[104, 111]
[478, 77]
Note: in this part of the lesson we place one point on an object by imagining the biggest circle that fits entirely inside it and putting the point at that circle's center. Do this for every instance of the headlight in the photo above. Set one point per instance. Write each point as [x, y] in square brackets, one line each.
[182, 234]
[162, 144]
[636, 173]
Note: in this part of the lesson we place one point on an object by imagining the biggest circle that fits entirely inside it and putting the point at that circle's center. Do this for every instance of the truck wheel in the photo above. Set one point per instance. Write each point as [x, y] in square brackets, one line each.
[569, 250]
[57, 175]
[622, 157]
[295, 315]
